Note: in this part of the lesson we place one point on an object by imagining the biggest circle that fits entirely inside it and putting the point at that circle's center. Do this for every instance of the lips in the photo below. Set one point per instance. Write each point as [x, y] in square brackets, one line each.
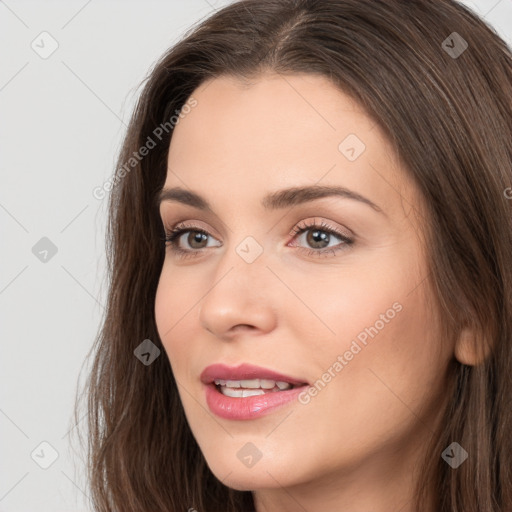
[247, 391]
[245, 372]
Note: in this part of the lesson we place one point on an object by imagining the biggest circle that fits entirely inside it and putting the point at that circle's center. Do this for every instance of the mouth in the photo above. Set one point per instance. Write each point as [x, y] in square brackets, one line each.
[247, 391]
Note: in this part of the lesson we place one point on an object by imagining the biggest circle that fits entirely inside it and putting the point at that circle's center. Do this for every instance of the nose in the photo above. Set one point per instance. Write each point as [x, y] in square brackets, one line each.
[242, 298]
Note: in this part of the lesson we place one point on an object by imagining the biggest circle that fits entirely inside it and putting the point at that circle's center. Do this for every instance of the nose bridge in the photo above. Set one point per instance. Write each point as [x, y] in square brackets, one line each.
[244, 259]
[241, 291]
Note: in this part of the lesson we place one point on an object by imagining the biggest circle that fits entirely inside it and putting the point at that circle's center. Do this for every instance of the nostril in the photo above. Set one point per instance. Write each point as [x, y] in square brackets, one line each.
[242, 327]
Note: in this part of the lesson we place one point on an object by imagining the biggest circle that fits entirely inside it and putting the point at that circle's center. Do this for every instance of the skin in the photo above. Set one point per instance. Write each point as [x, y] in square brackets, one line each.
[359, 441]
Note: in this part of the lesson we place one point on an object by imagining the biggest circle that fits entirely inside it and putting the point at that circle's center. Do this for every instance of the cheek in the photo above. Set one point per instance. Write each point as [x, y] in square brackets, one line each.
[388, 362]
[384, 340]
[412, 356]
[177, 293]
[359, 301]
[174, 302]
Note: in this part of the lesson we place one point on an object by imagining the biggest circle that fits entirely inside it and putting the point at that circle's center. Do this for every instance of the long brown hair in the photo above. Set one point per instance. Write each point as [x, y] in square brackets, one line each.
[444, 100]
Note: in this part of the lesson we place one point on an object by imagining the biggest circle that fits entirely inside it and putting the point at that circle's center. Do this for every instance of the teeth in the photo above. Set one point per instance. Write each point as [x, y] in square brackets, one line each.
[253, 384]
[250, 387]
[241, 393]
[267, 383]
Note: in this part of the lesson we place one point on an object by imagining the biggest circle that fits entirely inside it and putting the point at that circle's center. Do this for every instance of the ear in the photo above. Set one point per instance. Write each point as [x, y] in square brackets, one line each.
[470, 348]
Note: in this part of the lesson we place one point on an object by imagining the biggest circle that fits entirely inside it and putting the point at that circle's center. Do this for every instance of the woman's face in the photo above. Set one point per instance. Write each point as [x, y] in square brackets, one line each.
[340, 306]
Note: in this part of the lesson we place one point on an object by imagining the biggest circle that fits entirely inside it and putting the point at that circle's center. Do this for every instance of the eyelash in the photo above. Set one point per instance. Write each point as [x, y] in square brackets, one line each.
[172, 235]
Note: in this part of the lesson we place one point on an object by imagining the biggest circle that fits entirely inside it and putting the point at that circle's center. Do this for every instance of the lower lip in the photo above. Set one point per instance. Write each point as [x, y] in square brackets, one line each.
[250, 407]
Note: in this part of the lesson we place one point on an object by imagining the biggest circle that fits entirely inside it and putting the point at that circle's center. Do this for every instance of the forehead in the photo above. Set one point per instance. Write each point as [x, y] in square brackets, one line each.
[273, 112]
[245, 138]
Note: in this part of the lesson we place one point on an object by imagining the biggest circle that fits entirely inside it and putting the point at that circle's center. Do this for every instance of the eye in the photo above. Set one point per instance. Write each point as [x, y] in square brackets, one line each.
[319, 236]
[196, 240]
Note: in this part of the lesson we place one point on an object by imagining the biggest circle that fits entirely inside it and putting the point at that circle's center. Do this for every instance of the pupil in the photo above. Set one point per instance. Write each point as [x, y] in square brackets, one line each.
[196, 237]
[318, 237]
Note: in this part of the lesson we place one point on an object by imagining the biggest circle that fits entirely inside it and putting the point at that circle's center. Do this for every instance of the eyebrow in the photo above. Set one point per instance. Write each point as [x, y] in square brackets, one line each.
[273, 201]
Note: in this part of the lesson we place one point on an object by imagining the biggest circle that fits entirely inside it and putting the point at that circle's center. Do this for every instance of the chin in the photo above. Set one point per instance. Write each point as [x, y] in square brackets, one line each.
[247, 480]
[265, 474]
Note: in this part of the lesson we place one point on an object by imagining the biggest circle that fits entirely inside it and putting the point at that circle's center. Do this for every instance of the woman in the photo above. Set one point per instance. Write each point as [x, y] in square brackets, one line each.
[310, 243]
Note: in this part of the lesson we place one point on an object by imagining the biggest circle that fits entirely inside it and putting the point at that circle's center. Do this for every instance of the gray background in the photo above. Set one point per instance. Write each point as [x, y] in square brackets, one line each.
[62, 120]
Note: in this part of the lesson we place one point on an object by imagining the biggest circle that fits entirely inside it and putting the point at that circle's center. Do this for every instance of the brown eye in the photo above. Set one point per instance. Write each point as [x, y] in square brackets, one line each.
[196, 238]
[318, 239]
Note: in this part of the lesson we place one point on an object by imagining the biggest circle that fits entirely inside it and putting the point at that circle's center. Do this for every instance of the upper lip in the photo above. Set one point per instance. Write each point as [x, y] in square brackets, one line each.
[244, 371]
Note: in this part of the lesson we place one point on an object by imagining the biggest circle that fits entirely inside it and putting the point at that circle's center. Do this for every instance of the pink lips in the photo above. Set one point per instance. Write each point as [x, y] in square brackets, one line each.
[248, 407]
